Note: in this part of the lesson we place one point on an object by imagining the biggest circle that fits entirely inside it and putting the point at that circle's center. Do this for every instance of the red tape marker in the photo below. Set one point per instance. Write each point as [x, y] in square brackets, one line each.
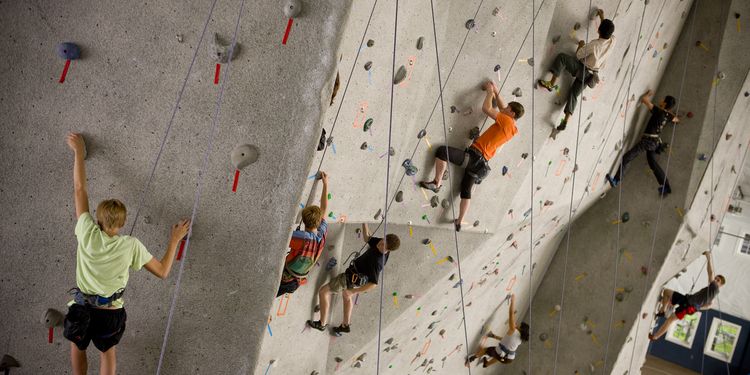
[216, 75]
[182, 249]
[51, 330]
[65, 71]
[236, 180]
[288, 29]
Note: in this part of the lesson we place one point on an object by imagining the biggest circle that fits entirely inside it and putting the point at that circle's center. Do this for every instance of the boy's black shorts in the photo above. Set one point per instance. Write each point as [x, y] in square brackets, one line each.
[104, 327]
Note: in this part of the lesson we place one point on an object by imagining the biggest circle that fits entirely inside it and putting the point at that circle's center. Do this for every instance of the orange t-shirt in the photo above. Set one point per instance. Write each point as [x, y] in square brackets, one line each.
[500, 132]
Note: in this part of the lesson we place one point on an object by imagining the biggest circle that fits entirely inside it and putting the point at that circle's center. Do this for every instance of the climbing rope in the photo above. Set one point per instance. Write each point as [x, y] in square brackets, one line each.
[619, 194]
[666, 174]
[387, 183]
[531, 185]
[450, 183]
[570, 217]
[171, 121]
[199, 187]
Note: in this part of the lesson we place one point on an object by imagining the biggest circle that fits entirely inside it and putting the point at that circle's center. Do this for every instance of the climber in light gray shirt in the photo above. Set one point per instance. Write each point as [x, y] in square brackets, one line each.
[689, 304]
[505, 351]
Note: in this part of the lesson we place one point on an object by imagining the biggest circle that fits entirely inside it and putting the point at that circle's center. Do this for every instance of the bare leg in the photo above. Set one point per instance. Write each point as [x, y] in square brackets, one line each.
[325, 301]
[108, 362]
[490, 362]
[567, 117]
[666, 298]
[78, 360]
[463, 209]
[440, 166]
[663, 329]
[348, 306]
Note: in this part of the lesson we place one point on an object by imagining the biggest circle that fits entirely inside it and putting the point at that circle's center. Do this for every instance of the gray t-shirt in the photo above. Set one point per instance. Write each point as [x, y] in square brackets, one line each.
[705, 295]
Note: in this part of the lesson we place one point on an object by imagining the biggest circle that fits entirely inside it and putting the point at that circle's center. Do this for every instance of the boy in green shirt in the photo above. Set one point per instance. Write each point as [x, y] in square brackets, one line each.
[102, 261]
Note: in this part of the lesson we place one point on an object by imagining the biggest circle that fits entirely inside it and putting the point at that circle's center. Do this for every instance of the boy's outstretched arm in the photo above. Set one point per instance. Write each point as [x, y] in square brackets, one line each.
[365, 232]
[646, 99]
[600, 13]
[75, 142]
[491, 90]
[324, 193]
[709, 266]
[512, 315]
[161, 268]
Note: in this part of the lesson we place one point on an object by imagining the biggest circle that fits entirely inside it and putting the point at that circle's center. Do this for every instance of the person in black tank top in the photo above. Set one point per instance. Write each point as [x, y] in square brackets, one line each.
[650, 141]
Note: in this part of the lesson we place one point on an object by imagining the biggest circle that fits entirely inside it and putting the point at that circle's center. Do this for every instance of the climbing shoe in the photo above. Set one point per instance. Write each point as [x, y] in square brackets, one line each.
[612, 182]
[562, 125]
[545, 84]
[660, 315]
[664, 190]
[469, 360]
[430, 185]
[340, 330]
[317, 325]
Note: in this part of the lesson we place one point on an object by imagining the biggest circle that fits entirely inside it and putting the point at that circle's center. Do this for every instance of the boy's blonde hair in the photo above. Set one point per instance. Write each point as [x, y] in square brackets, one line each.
[111, 214]
[311, 216]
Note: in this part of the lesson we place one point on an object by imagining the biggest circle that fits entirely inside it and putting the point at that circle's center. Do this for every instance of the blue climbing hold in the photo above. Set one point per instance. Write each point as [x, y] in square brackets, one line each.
[505, 170]
[331, 263]
[68, 51]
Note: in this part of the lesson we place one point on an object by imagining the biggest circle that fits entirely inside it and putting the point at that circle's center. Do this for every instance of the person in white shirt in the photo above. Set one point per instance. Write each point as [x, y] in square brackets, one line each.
[584, 66]
[505, 351]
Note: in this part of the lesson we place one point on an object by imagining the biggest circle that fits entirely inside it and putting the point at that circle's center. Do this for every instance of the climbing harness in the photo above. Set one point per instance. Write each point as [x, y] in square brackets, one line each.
[94, 300]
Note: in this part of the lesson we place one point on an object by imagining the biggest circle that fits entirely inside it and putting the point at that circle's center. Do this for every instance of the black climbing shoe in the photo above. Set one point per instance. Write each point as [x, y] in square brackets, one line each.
[612, 181]
[484, 362]
[469, 360]
[562, 125]
[660, 315]
[430, 185]
[338, 331]
[317, 325]
[664, 190]
[545, 84]
[457, 224]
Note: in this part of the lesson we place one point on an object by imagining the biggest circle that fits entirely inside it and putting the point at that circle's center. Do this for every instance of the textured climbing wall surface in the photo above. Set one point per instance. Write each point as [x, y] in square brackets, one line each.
[120, 95]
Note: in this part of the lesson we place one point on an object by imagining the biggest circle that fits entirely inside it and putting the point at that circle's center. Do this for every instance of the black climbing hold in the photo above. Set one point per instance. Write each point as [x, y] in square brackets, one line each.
[497, 67]
[244, 155]
[68, 51]
[420, 42]
[368, 65]
[322, 142]
[524, 155]
[517, 92]
[556, 39]
[367, 125]
[426, 241]
[452, 277]
[421, 133]
[625, 217]
[577, 26]
[454, 109]
[292, 8]
[363, 146]
[747, 94]
[510, 237]
[377, 214]
[737, 15]
[7, 363]
[470, 24]
[476, 223]
[370, 42]
[400, 75]
[474, 133]
[619, 297]
[434, 201]
[400, 196]
[505, 170]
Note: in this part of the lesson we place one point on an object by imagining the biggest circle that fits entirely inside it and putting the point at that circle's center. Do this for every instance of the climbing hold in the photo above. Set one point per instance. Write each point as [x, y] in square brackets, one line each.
[316, 308]
[221, 51]
[728, 136]
[543, 336]
[558, 307]
[362, 357]
[244, 155]
[476, 223]
[389, 341]
[524, 155]
[619, 297]
[474, 133]
[441, 333]
[702, 157]
[689, 115]
[420, 42]
[331, 263]
[577, 26]
[505, 170]
[556, 39]
[510, 237]
[496, 11]
[400, 75]
[421, 134]
[329, 141]
[721, 75]
[357, 364]
[370, 43]
[400, 196]
[179, 38]
[470, 24]
[377, 214]
[434, 201]
[497, 67]
[52, 318]
[368, 65]
[7, 363]
[292, 8]
[454, 109]
[426, 241]
[367, 125]
[530, 61]
[338, 359]
[411, 170]
[363, 146]
[625, 217]
[68, 51]
[747, 94]
[445, 203]
[391, 151]
[517, 92]
[147, 219]
[452, 277]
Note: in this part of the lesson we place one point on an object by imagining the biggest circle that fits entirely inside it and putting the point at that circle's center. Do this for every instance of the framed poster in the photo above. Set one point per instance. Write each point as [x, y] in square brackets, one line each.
[682, 332]
[722, 339]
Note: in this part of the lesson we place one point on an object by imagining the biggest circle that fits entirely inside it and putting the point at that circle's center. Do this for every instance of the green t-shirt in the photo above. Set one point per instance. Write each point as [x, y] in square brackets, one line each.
[102, 261]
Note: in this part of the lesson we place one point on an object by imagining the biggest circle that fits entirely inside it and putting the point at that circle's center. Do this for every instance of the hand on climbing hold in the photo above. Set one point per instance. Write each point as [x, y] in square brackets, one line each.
[676, 120]
[600, 13]
[581, 43]
[180, 230]
[75, 142]
[324, 177]
[707, 252]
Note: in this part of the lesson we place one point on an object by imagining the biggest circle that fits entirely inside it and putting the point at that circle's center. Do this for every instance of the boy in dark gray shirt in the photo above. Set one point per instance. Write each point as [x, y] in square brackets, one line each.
[689, 304]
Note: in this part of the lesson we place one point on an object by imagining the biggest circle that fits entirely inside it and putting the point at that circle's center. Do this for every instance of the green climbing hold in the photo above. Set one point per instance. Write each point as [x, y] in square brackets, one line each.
[329, 196]
[368, 124]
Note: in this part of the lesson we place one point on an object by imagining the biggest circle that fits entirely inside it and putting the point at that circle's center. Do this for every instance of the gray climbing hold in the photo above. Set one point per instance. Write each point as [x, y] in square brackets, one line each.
[434, 201]
[454, 109]
[496, 11]
[329, 141]
[179, 38]
[721, 75]
[147, 219]
[411, 170]
[445, 203]
[68, 51]
[400, 196]
[421, 134]
[316, 308]
[292, 8]
[470, 24]
[543, 336]
[244, 155]
[52, 318]
[420, 42]
[442, 332]
[363, 146]
[367, 125]
[530, 61]
[556, 39]
[497, 67]
[474, 133]
[368, 65]
[476, 223]
[391, 151]
[377, 214]
[7, 363]
[510, 237]
[370, 43]
[362, 357]
[389, 341]
[517, 92]
[221, 51]
[400, 75]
